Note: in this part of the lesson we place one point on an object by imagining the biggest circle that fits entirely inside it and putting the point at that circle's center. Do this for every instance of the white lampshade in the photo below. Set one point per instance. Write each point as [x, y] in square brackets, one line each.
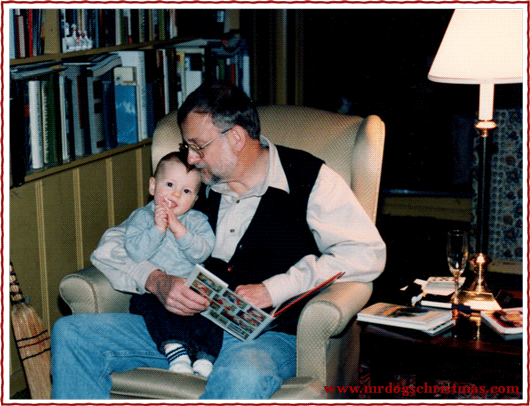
[481, 46]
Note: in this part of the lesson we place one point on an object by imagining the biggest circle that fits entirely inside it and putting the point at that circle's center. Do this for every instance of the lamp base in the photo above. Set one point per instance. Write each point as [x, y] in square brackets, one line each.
[478, 296]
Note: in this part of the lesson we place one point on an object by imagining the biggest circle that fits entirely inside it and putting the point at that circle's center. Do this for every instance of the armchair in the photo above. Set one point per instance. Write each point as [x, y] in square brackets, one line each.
[327, 337]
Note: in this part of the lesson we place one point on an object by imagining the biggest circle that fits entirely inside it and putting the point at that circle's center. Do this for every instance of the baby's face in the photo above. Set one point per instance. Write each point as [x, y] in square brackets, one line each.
[175, 187]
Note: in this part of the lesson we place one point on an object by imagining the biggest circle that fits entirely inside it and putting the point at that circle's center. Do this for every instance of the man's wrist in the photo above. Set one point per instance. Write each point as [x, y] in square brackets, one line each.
[151, 284]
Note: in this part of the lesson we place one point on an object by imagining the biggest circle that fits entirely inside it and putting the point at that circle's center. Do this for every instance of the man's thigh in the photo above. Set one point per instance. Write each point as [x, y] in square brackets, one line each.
[121, 339]
[254, 369]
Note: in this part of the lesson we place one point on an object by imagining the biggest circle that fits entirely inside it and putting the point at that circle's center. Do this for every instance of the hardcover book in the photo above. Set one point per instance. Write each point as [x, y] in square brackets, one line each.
[416, 318]
[234, 314]
[506, 322]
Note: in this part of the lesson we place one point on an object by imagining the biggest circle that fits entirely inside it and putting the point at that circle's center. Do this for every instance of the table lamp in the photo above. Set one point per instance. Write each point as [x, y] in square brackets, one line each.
[484, 47]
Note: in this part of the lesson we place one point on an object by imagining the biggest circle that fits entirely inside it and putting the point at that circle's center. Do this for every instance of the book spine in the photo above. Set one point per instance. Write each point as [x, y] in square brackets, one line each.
[20, 36]
[17, 133]
[95, 114]
[30, 31]
[109, 110]
[50, 116]
[35, 111]
[12, 35]
[69, 117]
[63, 109]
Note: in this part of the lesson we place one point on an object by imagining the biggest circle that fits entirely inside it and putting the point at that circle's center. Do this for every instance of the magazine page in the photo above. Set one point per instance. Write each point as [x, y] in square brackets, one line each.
[228, 310]
[305, 297]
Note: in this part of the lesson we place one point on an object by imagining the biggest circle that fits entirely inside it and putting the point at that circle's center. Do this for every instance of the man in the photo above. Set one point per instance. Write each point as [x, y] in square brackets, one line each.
[284, 222]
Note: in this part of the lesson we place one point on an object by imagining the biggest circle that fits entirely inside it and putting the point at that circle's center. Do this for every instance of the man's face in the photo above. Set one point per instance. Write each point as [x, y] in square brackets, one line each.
[216, 162]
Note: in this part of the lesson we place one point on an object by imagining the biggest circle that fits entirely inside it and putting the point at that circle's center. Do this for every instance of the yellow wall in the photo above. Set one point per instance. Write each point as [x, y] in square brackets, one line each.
[56, 222]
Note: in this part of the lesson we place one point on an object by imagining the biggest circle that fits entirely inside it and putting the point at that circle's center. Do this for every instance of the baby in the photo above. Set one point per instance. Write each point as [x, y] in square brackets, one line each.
[171, 235]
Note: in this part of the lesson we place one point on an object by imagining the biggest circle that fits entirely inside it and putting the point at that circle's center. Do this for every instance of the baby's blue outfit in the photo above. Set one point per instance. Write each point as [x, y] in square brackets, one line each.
[145, 242]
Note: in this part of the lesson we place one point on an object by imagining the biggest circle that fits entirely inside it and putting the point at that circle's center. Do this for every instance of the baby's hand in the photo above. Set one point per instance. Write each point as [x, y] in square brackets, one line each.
[174, 224]
[161, 218]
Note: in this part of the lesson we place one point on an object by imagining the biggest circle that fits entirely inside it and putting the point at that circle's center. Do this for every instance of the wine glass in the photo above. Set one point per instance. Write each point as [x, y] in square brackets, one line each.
[457, 253]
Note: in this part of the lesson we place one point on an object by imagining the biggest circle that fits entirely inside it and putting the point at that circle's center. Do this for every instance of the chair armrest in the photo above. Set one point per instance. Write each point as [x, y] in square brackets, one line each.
[325, 316]
[89, 291]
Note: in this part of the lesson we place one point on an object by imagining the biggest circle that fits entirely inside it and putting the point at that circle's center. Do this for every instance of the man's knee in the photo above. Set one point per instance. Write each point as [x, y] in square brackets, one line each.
[251, 375]
[62, 329]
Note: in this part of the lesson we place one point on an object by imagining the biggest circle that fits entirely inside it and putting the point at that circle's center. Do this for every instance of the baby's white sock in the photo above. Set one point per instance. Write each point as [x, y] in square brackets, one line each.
[202, 367]
[178, 358]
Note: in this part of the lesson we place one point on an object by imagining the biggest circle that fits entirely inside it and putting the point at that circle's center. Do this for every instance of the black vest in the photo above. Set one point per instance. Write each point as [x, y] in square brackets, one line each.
[278, 235]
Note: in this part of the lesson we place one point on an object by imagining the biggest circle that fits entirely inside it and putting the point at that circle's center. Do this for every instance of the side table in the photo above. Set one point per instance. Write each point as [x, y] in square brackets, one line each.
[470, 352]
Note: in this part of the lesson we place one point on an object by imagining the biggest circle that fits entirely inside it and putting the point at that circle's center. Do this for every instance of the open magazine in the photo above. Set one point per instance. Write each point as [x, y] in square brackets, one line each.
[235, 315]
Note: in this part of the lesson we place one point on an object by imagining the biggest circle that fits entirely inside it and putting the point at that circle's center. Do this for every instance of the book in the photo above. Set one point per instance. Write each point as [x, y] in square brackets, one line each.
[18, 131]
[439, 301]
[35, 124]
[507, 322]
[234, 314]
[99, 73]
[136, 59]
[416, 318]
[441, 285]
[125, 105]
[51, 124]
[65, 109]
[438, 291]
[76, 77]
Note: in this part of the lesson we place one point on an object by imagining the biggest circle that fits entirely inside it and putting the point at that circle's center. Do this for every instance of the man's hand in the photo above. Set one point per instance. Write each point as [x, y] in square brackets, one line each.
[174, 294]
[258, 295]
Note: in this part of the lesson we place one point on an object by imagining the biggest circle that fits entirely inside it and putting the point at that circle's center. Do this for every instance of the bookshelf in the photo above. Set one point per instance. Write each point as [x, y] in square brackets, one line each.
[162, 66]
[58, 213]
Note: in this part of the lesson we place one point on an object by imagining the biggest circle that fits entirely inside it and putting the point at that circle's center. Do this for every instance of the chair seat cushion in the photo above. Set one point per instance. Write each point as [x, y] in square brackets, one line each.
[154, 383]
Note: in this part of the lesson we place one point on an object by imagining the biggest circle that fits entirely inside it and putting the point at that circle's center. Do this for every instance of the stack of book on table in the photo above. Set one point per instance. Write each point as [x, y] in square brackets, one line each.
[506, 322]
[438, 291]
[428, 321]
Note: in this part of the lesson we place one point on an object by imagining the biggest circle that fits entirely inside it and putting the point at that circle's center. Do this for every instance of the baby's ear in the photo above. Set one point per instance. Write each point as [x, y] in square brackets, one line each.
[152, 183]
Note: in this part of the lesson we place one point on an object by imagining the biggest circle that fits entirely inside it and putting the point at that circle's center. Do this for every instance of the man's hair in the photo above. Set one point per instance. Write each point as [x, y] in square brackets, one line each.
[227, 105]
[180, 156]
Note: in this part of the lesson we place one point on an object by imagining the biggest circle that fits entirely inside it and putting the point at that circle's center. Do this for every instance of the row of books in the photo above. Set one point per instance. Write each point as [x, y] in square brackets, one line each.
[50, 31]
[64, 110]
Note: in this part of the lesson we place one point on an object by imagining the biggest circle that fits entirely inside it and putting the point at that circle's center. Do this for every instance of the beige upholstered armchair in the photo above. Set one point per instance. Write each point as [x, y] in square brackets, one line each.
[328, 337]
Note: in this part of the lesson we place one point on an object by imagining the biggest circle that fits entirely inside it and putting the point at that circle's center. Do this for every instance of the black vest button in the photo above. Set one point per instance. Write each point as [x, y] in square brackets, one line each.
[230, 268]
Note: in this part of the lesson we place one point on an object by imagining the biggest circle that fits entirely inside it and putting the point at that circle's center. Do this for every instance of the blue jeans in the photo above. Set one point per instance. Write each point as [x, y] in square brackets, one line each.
[87, 348]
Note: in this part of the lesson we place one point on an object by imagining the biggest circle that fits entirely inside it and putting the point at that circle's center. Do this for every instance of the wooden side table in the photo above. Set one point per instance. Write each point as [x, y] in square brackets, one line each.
[468, 353]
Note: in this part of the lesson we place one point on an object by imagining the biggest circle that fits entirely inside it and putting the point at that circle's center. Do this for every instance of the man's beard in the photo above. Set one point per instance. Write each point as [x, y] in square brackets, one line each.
[208, 177]
[226, 167]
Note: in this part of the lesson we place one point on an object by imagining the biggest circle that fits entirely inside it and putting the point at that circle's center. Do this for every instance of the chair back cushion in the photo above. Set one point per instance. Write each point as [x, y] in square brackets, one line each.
[351, 145]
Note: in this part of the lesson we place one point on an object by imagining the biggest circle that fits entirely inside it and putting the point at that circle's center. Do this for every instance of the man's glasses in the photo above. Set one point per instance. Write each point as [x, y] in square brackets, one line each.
[199, 149]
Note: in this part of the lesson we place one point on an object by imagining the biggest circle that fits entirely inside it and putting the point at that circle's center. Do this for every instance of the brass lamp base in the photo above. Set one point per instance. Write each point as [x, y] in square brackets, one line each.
[478, 296]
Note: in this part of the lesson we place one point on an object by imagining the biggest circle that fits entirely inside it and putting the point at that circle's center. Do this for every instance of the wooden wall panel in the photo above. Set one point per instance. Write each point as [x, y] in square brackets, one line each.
[146, 173]
[58, 214]
[125, 185]
[94, 219]
[24, 253]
